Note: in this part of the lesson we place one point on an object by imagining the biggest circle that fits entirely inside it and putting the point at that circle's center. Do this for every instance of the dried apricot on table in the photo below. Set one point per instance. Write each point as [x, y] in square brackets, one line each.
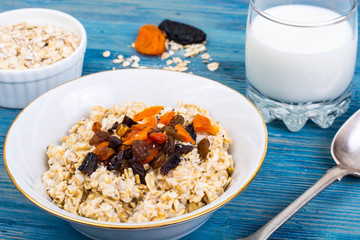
[203, 124]
[150, 40]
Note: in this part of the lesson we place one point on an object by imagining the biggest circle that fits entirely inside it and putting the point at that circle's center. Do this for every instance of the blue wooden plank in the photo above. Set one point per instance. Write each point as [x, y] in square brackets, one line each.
[294, 160]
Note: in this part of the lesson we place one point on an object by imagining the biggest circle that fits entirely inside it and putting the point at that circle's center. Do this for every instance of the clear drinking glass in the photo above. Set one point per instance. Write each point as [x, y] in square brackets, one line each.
[300, 59]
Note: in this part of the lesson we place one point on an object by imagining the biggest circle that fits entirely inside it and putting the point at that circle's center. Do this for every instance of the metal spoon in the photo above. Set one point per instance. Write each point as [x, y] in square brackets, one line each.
[345, 150]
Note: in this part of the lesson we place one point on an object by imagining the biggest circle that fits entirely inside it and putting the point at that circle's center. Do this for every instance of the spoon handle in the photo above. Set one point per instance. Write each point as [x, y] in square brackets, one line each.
[333, 174]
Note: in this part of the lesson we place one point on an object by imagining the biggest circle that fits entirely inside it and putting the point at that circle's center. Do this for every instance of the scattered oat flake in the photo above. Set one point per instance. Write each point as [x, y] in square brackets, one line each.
[126, 63]
[213, 66]
[135, 64]
[116, 60]
[132, 45]
[169, 62]
[106, 54]
[205, 56]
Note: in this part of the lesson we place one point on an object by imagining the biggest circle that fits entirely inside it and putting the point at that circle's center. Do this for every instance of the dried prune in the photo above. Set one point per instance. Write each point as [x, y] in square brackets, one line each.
[128, 121]
[190, 129]
[113, 127]
[182, 33]
[177, 119]
[89, 164]
[128, 153]
[114, 142]
[140, 149]
[96, 126]
[171, 162]
[171, 132]
[169, 146]
[203, 147]
[159, 160]
[138, 168]
[184, 149]
[98, 138]
[116, 161]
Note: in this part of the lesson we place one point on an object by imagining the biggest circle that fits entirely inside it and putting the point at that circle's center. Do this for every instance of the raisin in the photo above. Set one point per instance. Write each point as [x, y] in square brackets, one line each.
[140, 149]
[182, 33]
[177, 119]
[114, 142]
[203, 147]
[128, 121]
[171, 132]
[98, 138]
[89, 164]
[159, 160]
[122, 130]
[96, 126]
[128, 154]
[171, 163]
[138, 168]
[184, 149]
[190, 129]
[169, 146]
[116, 161]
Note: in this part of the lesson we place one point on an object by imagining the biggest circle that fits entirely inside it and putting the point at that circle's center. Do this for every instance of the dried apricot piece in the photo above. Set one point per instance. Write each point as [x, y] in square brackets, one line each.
[150, 40]
[104, 151]
[147, 113]
[96, 126]
[203, 124]
[158, 137]
[184, 134]
[166, 118]
[152, 154]
[142, 135]
[150, 121]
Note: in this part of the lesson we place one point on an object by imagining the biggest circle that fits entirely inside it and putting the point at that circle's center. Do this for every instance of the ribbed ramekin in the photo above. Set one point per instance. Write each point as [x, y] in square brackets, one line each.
[20, 87]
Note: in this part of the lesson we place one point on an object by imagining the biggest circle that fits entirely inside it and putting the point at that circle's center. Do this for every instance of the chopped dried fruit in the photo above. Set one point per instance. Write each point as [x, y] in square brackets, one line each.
[171, 132]
[116, 161]
[166, 118]
[148, 112]
[177, 119]
[113, 127]
[159, 160]
[96, 126]
[190, 129]
[138, 168]
[169, 146]
[99, 137]
[203, 147]
[121, 130]
[158, 137]
[203, 124]
[150, 40]
[128, 153]
[140, 149]
[142, 135]
[89, 164]
[171, 163]
[114, 142]
[150, 121]
[185, 136]
[184, 149]
[103, 151]
[152, 154]
[182, 33]
[128, 121]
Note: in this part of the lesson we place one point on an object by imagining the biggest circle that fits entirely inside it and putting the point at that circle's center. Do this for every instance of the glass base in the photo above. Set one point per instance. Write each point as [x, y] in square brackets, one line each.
[295, 115]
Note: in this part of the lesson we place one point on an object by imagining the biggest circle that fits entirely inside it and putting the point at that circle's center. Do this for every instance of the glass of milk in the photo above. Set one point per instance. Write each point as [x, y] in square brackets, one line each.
[300, 59]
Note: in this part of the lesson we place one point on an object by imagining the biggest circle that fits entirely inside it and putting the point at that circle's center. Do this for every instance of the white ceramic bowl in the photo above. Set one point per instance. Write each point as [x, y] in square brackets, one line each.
[19, 87]
[53, 113]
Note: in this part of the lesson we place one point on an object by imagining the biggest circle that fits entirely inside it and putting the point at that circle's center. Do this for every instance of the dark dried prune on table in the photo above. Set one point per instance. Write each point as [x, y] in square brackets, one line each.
[138, 168]
[190, 129]
[140, 149]
[171, 132]
[159, 160]
[116, 161]
[128, 121]
[99, 137]
[182, 33]
[203, 147]
[177, 119]
[89, 164]
[184, 149]
[96, 126]
[169, 146]
[114, 142]
[171, 163]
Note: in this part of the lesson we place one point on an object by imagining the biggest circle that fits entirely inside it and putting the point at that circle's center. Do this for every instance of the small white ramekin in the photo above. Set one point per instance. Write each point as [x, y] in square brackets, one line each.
[20, 87]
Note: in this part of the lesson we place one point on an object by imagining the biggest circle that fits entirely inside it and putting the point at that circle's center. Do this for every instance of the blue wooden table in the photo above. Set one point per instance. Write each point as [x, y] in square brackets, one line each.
[293, 163]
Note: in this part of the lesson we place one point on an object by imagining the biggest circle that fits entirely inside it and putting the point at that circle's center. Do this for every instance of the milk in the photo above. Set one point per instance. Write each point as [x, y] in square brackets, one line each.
[295, 64]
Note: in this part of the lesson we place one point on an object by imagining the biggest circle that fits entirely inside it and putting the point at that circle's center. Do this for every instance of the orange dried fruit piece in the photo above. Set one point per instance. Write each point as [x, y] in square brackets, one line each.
[147, 113]
[166, 118]
[203, 124]
[185, 136]
[158, 137]
[142, 135]
[150, 40]
[103, 151]
[151, 121]
[152, 154]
